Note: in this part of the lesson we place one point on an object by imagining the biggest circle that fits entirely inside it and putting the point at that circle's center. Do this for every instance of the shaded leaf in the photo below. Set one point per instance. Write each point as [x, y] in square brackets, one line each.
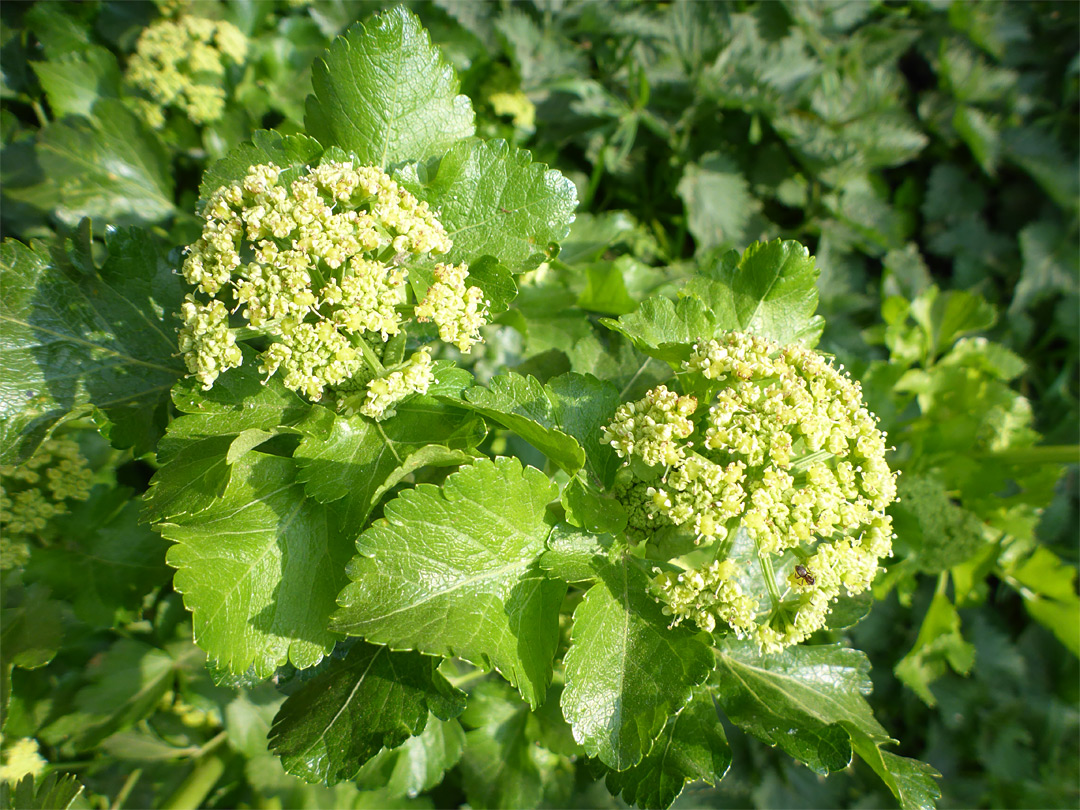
[451, 571]
[72, 337]
[111, 167]
[370, 700]
[691, 747]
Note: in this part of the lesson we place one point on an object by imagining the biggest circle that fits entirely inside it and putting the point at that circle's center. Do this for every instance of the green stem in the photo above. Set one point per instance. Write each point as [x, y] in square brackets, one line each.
[125, 789]
[765, 561]
[39, 111]
[194, 790]
[1043, 454]
[370, 358]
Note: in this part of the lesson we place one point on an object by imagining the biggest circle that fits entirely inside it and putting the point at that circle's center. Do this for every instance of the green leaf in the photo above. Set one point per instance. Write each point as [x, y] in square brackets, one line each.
[770, 290]
[1038, 153]
[938, 646]
[31, 627]
[358, 456]
[74, 81]
[111, 167]
[627, 671]
[1050, 595]
[451, 571]
[797, 698]
[239, 401]
[418, 764]
[494, 201]
[77, 336]
[370, 700]
[56, 792]
[385, 93]
[504, 763]
[911, 782]
[666, 330]
[573, 555]
[523, 405]
[587, 507]
[691, 747]
[105, 559]
[583, 405]
[126, 685]
[259, 569]
[266, 146]
[718, 202]
[193, 480]
[1050, 257]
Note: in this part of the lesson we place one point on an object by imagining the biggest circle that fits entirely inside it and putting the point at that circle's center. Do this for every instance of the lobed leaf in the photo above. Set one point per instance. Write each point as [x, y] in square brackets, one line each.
[494, 201]
[259, 569]
[451, 571]
[386, 94]
[627, 671]
[370, 700]
[770, 290]
[74, 336]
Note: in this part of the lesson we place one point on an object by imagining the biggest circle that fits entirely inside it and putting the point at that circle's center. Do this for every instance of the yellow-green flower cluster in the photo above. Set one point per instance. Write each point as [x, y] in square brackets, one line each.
[181, 63]
[33, 493]
[457, 309]
[22, 759]
[786, 454]
[653, 428]
[384, 392]
[318, 265]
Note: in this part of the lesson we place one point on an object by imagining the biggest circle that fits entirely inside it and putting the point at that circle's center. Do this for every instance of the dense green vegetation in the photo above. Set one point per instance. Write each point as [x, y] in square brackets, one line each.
[422, 569]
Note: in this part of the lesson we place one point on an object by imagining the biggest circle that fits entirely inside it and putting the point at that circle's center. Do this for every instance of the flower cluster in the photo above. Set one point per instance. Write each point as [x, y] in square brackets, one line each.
[180, 63]
[22, 759]
[318, 266]
[787, 456]
[33, 493]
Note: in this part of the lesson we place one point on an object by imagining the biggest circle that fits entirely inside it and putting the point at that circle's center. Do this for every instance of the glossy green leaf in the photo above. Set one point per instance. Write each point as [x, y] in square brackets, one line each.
[939, 645]
[770, 290]
[494, 201]
[284, 151]
[691, 747]
[77, 336]
[667, 330]
[522, 404]
[913, 783]
[385, 93]
[259, 569]
[370, 700]
[451, 571]
[355, 460]
[627, 671]
[797, 698]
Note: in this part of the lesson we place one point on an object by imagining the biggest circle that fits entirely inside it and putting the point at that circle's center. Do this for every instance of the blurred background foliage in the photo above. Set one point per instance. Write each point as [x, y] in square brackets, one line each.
[925, 152]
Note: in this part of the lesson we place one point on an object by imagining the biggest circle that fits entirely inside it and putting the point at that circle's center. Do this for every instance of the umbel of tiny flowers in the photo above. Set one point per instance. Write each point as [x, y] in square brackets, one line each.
[35, 492]
[317, 268]
[180, 63]
[785, 458]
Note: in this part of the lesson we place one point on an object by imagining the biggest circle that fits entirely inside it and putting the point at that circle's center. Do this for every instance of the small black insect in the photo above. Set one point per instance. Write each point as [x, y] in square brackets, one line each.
[804, 575]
